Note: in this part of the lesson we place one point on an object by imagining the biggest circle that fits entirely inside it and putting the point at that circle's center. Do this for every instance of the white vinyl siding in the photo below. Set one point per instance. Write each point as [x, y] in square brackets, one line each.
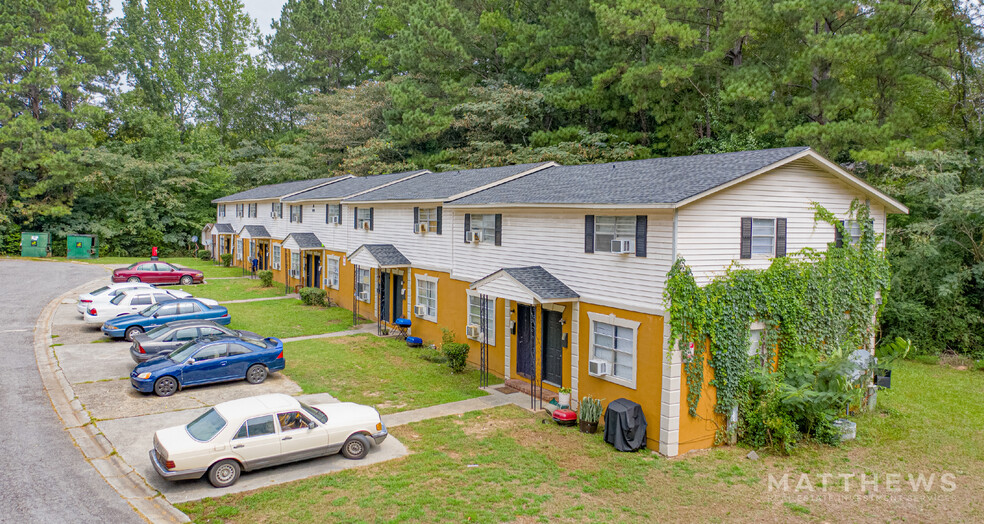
[475, 315]
[608, 229]
[763, 236]
[427, 296]
[363, 284]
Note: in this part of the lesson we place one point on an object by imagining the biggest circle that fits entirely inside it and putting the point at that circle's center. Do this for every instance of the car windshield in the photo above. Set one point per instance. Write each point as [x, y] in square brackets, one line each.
[158, 330]
[118, 298]
[98, 291]
[184, 352]
[149, 312]
[206, 426]
[315, 412]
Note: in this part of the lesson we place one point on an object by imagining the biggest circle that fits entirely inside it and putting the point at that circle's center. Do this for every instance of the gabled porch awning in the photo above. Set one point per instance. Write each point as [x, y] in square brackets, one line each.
[528, 285]
[254, 232]
[302, 242]
[223, 229]
[378, 255]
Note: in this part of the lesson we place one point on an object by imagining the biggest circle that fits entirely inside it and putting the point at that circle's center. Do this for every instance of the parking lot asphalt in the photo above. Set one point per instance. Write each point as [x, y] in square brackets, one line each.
[43, 475]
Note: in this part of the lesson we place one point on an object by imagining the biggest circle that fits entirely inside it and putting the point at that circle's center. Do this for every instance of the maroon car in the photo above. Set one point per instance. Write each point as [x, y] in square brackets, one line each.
[157, 272]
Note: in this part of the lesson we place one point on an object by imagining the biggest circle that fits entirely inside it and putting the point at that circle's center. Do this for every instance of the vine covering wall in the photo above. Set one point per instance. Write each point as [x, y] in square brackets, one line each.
[814, 304]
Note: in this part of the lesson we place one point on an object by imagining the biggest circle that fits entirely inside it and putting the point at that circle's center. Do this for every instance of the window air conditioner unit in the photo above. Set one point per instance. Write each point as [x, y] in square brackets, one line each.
[334, 220]
[420, 310]
[623, 246]
[473, 237]
[364, 296]
[422, 227]
[365, 225]
[471, 331]
[273, 214]
[598, 368]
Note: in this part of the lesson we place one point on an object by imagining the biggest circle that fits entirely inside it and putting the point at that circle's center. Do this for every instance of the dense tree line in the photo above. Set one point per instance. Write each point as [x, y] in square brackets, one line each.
[128, 126]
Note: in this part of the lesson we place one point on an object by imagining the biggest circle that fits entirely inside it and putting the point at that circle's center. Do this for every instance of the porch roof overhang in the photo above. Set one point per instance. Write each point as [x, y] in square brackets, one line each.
[525, 284]
[383, 256]
[223, 229]
[302, 242]
[254, 232]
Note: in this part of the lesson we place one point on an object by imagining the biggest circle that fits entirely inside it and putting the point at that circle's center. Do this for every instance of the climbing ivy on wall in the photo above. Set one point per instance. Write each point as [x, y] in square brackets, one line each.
[812, 304]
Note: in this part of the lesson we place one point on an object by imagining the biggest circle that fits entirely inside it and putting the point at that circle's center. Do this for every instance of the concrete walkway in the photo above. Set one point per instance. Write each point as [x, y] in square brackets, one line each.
[292, 295]
[494, 399]
[362, 329]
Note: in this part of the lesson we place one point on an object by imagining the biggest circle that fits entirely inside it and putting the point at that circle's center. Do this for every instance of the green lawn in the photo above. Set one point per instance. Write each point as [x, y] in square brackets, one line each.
[234, 289]
[504, 465]
[377, 371]
[288, 318]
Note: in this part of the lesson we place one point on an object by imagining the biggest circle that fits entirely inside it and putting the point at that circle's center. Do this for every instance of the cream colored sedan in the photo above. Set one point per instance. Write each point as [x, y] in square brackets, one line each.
[262, 431]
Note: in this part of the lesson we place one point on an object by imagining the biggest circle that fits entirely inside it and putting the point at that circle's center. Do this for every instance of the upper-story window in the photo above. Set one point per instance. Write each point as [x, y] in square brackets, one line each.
[222, 211]
[297, 214]
[427, 219]
[763, 237]
[483, 225]
[853, 229]
[333, 213]
[364, 218]
[277, 210]
[608, 229]
[252, 211]
[240, 210]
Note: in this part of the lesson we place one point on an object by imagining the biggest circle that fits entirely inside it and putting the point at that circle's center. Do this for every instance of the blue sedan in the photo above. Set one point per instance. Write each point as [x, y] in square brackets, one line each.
[208, 360]
[161, 313]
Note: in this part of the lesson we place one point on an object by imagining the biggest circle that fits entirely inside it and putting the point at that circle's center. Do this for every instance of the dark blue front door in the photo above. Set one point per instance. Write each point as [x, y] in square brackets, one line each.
[525, 341]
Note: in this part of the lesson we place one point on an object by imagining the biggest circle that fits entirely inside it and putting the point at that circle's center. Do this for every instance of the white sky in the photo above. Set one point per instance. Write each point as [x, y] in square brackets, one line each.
[263, 11]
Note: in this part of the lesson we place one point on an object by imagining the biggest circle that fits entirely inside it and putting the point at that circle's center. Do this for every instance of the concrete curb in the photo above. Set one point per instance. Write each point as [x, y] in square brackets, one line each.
[96, 448]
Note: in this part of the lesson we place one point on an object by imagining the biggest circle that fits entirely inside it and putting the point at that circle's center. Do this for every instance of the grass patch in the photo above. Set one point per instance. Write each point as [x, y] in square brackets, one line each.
[236, 289]
[288, 318]
[377, 371]
[505, 465]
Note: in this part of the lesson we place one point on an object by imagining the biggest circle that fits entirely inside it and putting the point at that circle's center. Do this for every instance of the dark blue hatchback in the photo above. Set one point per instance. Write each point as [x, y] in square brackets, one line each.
[209, 360]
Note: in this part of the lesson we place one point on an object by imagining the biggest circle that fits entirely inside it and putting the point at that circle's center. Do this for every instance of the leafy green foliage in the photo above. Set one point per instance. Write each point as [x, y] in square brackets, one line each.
[266, 278]
[311, 296]
[226, 259]
[589, 410]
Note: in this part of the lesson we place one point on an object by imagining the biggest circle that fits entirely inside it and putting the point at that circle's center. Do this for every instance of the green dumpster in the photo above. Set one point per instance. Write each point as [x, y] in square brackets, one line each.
[83, 246]
[34, 244]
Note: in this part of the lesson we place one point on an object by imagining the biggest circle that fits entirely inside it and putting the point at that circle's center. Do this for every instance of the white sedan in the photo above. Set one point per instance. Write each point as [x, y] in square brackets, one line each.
[107, 292]
[262, 431]
[133, 301]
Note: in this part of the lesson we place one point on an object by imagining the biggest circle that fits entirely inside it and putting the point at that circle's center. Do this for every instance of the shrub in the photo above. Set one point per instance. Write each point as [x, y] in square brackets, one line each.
[226, 259]
[205, 254]
[456, 353]
[266, 278]
[311, 296]
[589, 410]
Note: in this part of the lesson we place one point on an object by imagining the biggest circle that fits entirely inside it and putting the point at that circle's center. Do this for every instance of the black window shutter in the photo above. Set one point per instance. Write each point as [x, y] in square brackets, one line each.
[467, 225]
[440, 211]
[642, 226]
[498, 229]
[838, 238]
[780, 237]
[327, 213]
[339, 213]
[746, 237]
[355, 219]
[416, 219]
[589, 233]
[370, 219]
[300, 214]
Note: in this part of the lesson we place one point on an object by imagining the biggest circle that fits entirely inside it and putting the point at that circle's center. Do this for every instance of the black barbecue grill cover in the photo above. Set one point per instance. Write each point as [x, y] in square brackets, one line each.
[625, 425]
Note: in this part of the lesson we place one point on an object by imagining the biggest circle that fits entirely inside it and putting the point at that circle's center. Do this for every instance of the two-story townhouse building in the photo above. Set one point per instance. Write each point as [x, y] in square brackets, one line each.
[585, 251]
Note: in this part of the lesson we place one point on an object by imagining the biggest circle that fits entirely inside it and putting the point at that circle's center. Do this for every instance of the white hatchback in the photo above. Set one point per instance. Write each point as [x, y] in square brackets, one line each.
[133, 301]
[262, 431]
[107, 292]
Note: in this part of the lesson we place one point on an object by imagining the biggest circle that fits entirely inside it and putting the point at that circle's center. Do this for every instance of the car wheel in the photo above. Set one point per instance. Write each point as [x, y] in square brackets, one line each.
[130, 332]
[186, 280]
[256, 373]
[133, 279]
[165, 386]
[356, 447]
[224, 473]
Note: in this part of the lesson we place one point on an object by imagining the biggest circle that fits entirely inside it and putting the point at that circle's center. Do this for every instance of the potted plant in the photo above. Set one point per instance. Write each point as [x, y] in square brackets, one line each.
[564, 397]
[588, 414]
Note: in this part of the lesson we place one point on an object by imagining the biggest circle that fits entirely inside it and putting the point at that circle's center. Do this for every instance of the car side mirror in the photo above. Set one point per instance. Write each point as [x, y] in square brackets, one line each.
[191, 361]
[312, 425]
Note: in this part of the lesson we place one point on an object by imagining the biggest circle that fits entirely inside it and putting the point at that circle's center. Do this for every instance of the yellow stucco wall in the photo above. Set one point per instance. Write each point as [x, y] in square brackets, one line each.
[698, 432]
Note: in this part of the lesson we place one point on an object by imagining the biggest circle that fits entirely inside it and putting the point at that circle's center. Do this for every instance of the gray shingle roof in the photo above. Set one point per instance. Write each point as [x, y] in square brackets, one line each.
[437, 186]
[257, 231]
[274, 190]
[651, 181]
[224, 229]
[540, 282]
[306, 240]
[386, 254]
[347, 187]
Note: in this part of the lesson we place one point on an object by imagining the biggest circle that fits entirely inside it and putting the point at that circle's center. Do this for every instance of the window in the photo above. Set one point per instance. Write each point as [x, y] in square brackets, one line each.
[239, 210]
[235, 251]
[608, 229]
[364, 217]
[185, 334]
[211, 331]
[257, 427]
[485, 224]
[142, 300]
[145, 267]
[475, 315]
[252, 210]
[427, 297]
[292, 420]
[163, 267]
[168, 310]
[252, 248]
[853, 229]
[277, 210]
[296, 214]
[187, 308]
[237, 349]
[362, 284]
[206, 426]
[333, 211]
[763, 236]
[428, 216]
[211, 352]
[222, 211]
[614, 340]
[332, 276]
[295, 264]
[276, 256]
[163, 298]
